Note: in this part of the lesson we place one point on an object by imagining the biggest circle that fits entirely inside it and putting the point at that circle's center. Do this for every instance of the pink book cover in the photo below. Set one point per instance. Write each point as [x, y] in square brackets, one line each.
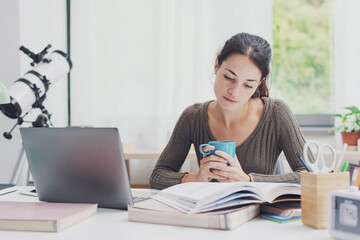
[42, 216]
[39, 210]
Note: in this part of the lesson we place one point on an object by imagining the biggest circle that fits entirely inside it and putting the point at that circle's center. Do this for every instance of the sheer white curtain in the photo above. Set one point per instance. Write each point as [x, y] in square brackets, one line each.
[346, 55]
[347, 52]
[138, 63]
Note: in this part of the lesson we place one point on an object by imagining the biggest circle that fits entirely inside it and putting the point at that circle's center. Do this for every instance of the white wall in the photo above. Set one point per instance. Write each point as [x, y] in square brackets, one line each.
[141, 63]
[34, 24]
[10, 71]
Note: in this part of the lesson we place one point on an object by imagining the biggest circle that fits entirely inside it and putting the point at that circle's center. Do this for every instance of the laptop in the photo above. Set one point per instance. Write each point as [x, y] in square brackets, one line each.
[78, 165]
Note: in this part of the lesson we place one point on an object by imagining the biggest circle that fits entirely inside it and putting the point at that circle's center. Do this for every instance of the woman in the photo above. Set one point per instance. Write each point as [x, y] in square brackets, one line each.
[262, 127]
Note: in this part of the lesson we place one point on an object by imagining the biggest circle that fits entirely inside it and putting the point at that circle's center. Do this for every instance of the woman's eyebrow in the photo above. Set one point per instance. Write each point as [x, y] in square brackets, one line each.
[231, 71]
[250, 80]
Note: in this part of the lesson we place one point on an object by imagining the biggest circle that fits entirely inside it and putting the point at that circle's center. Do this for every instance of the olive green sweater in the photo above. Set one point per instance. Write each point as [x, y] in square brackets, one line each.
[277, 131]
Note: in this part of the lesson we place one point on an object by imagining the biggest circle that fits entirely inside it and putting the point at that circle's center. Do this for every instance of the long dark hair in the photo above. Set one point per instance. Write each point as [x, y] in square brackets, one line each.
[257, 49]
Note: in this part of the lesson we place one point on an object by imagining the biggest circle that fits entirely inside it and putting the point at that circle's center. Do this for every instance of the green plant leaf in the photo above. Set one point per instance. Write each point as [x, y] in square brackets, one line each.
[344, 119]
[353, 109]
[350, 122]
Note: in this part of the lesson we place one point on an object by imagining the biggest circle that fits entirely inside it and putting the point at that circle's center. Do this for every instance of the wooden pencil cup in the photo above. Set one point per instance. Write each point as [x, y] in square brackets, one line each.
[315, 189]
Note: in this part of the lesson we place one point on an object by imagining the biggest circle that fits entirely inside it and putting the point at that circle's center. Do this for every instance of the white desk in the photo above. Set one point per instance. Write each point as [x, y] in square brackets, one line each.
[113, 224]
[150, 154]
[133, 154]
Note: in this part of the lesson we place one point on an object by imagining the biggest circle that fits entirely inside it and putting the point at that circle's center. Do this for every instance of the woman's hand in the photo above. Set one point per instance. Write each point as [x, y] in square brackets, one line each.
[231, 173]
[208, 165]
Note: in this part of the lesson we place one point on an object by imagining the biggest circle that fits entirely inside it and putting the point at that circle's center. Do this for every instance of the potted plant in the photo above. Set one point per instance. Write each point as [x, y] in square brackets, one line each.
[350, 125]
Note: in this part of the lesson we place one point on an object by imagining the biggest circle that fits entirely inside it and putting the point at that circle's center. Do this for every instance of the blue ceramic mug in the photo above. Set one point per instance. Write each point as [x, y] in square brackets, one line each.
[226, 146]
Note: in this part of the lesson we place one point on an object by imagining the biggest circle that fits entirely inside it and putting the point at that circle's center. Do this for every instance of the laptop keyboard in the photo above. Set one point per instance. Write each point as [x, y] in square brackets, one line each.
[138, 194]
[7, 188]
[6, 185]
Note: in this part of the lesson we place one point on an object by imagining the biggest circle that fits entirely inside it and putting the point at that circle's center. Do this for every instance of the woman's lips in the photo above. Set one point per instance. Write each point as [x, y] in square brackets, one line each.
[229, 100]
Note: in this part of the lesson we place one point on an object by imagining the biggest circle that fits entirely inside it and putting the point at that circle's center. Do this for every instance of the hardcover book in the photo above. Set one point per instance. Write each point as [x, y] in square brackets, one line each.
[42, 216]
[153, 211]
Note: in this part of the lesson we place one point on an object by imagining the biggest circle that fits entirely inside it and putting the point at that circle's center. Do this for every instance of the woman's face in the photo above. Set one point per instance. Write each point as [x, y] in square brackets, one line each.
[236, 81]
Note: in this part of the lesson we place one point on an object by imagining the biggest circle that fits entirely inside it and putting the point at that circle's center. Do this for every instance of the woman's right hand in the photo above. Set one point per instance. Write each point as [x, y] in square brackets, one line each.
[208, 163]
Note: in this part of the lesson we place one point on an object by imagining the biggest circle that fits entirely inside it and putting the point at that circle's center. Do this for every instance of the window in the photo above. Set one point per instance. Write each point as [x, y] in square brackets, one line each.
[302, 59]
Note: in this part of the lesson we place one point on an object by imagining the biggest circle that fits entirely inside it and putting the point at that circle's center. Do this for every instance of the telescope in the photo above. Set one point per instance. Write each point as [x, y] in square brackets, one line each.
[29, 91]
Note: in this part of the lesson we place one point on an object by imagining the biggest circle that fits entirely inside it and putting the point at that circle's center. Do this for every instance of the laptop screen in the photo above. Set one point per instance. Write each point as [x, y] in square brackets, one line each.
[81, 165]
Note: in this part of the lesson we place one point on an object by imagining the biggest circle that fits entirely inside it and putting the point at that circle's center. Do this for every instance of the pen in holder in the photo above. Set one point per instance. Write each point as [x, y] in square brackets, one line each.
[315, 189]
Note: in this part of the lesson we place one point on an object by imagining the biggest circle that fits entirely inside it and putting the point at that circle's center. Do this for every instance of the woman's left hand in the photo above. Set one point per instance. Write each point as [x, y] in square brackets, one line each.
[233, 172]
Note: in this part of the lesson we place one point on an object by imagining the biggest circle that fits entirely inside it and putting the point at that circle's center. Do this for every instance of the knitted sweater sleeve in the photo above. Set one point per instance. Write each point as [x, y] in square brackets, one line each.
[166, 172]
[290, 140]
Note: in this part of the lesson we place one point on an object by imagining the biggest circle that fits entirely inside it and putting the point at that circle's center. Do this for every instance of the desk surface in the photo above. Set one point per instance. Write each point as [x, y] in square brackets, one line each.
[151, 154]
[113, 224]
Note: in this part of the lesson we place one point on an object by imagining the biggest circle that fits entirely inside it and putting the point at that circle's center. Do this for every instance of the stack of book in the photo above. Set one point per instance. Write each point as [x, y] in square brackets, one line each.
[281, 212]
[211, 205]
[279, 218]
[153, 211]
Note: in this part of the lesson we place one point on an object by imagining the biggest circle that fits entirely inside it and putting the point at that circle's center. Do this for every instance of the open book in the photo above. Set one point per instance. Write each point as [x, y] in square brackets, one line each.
[197, 197]
[153, 211]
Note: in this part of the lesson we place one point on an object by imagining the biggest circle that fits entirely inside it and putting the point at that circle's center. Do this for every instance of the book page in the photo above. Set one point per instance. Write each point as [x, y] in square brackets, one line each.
[274, 190]
[198, 194]
[152, 204]
[201, 193]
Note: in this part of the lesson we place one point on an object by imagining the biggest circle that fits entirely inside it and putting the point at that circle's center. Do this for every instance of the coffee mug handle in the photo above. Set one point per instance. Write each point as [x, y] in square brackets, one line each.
[201, 147]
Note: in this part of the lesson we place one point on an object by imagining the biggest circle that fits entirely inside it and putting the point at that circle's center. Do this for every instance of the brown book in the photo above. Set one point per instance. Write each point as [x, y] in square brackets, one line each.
[42, 216]
[153, 211]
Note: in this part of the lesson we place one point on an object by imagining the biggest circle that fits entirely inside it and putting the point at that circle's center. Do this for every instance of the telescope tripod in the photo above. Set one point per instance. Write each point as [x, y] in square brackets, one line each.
[41, 121]
[20, 163]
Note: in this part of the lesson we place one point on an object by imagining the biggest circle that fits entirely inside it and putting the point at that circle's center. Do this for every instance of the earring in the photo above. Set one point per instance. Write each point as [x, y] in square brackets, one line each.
[212, 78]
